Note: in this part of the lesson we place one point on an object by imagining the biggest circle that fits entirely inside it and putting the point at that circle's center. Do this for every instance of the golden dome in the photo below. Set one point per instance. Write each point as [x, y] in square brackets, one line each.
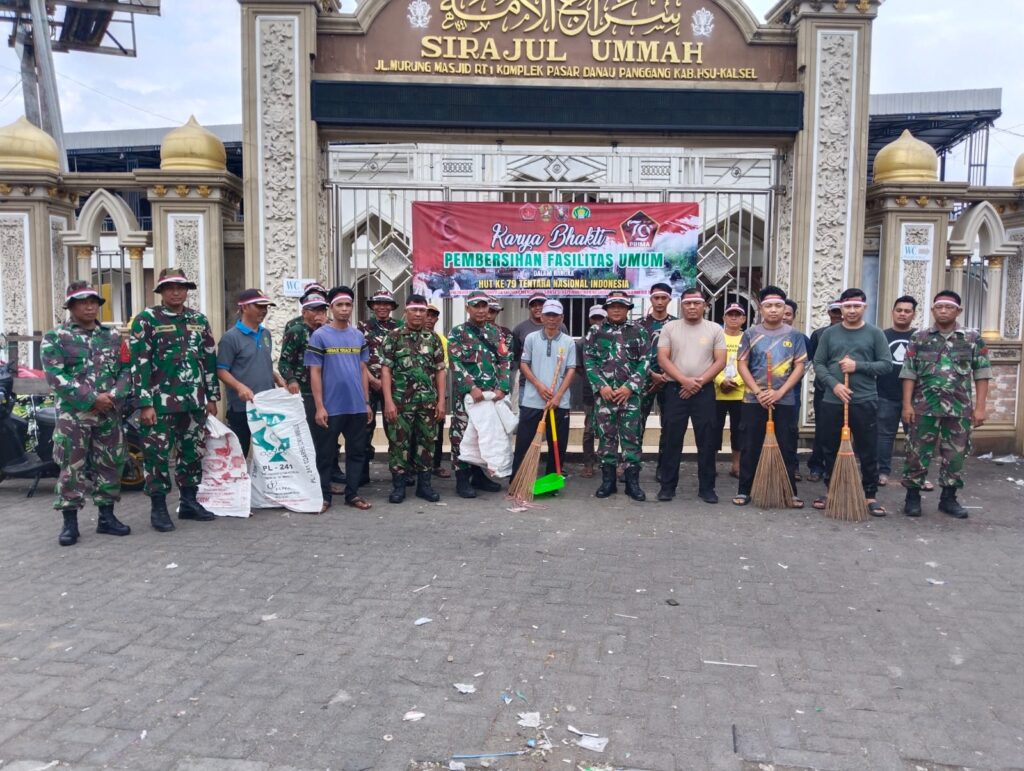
[24, 146]
[1018, 171]
[192, 148]
[907, 160]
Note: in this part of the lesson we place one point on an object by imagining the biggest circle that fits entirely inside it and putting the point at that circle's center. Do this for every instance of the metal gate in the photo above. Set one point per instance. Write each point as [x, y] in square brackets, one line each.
[373, 187]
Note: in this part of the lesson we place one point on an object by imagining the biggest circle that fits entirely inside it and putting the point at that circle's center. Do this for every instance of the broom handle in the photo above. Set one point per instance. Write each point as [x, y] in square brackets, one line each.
[846, 405]
[768, 355]
[554, 442]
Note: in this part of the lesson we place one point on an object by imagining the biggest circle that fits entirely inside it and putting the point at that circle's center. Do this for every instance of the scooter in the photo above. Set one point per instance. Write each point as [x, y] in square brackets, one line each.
[17, 462]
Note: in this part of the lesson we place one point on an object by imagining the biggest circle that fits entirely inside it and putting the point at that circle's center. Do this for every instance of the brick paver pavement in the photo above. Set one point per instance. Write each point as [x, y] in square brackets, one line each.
[288, 640]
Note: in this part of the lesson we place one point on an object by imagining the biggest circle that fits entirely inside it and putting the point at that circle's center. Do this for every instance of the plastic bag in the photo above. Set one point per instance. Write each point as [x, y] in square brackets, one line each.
[486, 442]
[225, 489]
[282, 463]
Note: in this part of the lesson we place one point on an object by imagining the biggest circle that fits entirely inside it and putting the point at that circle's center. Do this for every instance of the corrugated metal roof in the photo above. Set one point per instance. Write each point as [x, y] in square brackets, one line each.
[936, 102]
[135, 138]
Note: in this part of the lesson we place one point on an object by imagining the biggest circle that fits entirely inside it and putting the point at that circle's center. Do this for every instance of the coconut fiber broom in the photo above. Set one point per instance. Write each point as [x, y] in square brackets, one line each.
[771, 488]
[521, 490]
[845, 499]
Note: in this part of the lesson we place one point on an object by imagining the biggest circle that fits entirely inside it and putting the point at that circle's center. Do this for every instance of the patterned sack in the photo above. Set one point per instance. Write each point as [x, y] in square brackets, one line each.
[282, 463]
[225, 489]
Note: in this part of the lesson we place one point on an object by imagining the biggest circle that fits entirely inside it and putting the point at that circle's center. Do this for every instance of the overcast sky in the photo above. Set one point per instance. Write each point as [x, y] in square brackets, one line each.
[189, 63]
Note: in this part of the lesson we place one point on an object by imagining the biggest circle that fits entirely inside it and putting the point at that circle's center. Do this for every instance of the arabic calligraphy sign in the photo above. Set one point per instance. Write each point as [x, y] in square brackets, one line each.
[513, 249]
[578, 40]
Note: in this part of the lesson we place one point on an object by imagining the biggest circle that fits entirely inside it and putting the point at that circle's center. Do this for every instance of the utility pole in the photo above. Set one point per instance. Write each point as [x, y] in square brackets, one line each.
[49, 101]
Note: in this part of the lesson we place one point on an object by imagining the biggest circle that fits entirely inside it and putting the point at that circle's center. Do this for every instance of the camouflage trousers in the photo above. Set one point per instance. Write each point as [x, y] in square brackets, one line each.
[415, 426]
[182, 433]
[90, 454]
[458, 428]
[615, 425]
[950, 436]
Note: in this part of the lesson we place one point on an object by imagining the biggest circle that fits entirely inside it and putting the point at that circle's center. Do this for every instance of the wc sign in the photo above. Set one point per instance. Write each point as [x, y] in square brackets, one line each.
[293, 286]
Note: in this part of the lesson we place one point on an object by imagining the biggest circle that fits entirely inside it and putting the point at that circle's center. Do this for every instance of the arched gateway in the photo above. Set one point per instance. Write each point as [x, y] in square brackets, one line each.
[762, 126]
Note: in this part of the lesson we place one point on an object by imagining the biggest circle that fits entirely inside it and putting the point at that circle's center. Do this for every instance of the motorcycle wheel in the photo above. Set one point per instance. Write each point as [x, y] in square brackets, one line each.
[133, 476]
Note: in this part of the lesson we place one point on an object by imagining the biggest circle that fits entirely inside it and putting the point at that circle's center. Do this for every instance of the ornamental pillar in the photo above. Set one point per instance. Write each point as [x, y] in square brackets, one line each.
[286, 211]
[83, 263]
[138, 278]
[991, 321]
[829, 156]
[957, 270]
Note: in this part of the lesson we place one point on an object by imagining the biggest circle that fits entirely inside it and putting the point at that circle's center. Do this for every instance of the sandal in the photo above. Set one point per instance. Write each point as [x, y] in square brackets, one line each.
[797, 504]
[741, 500]
[875, 509]
[927, 487]
[798, 477]
[324, 507]
[814, 476]
[819, 503]
[442, 472]
[359, 503]
[883, 480]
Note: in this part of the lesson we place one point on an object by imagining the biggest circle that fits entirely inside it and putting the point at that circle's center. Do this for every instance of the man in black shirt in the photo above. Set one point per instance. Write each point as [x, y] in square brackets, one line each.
[890, 390]
[816, 463]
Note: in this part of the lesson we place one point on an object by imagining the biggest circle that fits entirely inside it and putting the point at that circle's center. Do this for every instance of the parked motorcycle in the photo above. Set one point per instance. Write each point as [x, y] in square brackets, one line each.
[18, 462]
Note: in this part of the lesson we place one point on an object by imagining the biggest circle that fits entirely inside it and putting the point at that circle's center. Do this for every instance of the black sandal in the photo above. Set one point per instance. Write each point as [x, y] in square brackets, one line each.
[740, 500]
[875, 509]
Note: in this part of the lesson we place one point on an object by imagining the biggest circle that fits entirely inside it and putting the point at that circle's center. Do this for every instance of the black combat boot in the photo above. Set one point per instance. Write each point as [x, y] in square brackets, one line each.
[109, 524]
[189, 507]
[424, 489]
[463, 486]
[608, 485]
[69, 533]
[158, 516]
[949, 504]
[397, 488]
[912, 503]
[482, 482]
[410, 480]
[633, 484]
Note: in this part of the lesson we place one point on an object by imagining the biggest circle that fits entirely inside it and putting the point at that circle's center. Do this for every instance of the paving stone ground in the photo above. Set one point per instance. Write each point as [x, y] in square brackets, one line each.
[692, 636]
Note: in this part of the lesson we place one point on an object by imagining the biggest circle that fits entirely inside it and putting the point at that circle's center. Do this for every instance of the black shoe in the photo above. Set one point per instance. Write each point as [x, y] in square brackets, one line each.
[463, 486]
[410, 480]
[424, 489]
[950, 505]
[665, 494]
[108, 524]
[633, 484]
[397, 488]
[69, 533]
[481, 481]
[159, 518]
[190, 508]
[708, 497]
[608, 485]
[912, 503]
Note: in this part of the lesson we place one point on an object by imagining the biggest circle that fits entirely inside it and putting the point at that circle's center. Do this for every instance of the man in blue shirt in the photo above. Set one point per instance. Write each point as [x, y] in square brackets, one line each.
[245, 362]
[336, 356]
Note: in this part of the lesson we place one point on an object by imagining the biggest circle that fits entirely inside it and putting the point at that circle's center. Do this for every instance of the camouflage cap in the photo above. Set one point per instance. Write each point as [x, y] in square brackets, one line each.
[476, 297]
[494, 305]
[382, 296]
[313, 287]
[313, 301]
[173, 276]
[618, 297]
[80, 290]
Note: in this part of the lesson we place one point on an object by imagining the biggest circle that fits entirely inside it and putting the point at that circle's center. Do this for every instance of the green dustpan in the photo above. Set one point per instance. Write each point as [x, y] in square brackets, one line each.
[549, 483]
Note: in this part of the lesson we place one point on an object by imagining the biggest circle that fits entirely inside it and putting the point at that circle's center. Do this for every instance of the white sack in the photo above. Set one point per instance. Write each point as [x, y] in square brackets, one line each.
[486, 443]
[282, 463]
[225, 489]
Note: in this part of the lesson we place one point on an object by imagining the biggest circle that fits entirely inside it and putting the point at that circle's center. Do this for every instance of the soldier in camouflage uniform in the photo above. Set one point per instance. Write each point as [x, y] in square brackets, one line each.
[493, 309]
[480, 361]
[940, 364]
[617, 354]
[293, 344]
[84, 366]
[375, 329]
[654, 389]
[413, 376]
[175, 377]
